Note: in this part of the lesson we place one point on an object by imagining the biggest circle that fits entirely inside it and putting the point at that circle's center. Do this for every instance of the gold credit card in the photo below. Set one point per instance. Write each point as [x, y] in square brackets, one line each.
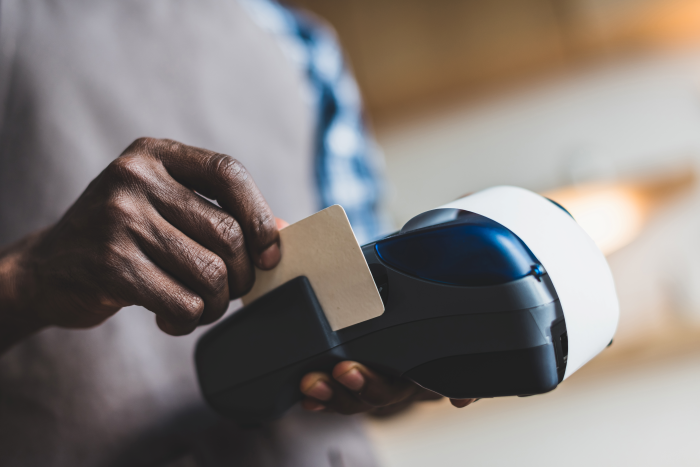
[323, 248]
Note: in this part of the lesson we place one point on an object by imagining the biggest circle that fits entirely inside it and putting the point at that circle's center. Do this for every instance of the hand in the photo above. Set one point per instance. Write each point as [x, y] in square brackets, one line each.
[140, 235]
[354, 388]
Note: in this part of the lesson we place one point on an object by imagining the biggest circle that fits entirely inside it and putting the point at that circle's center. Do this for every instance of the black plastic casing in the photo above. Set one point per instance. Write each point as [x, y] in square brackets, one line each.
[461, 342]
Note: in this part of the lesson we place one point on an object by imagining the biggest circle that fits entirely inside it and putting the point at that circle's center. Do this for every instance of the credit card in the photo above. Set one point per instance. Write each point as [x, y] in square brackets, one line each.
[323, 248]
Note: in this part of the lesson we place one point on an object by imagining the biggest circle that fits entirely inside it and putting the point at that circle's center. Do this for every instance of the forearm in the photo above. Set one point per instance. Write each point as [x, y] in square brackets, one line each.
[17, 318]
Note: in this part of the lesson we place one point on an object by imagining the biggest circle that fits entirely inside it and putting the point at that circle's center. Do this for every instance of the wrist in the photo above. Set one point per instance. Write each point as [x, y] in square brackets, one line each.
[18, 316]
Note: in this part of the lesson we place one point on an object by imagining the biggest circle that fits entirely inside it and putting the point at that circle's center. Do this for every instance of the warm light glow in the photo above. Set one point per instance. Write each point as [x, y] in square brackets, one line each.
[613, 215]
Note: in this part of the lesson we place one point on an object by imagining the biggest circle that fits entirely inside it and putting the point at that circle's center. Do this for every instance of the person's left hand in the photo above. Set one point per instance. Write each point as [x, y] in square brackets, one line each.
[353, 388]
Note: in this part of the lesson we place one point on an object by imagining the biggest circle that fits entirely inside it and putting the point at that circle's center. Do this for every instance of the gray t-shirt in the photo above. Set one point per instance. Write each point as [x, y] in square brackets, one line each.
[80, 80]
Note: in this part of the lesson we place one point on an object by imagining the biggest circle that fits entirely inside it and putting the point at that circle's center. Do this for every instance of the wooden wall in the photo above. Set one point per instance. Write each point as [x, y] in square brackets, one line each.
[411, 53]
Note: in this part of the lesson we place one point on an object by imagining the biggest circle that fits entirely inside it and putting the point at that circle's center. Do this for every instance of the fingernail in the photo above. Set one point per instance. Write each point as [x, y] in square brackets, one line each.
[270, 257]
[352, 379]
[320, 390]
[461, 403]
[314, 406]
[281, 223]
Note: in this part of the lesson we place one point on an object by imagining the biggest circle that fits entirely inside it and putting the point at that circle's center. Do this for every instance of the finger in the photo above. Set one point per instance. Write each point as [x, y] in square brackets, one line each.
[317, 386]
[143, 283]
[201, 270]
[371, 387]
[280, 223]
[461, 403]
[422, 395]
[389, 410]
[211, 227]
[321, 390]
[226, 180]
[312, 405]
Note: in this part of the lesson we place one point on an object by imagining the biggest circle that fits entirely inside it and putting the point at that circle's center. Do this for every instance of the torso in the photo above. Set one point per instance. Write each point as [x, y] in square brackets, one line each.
[80, 80]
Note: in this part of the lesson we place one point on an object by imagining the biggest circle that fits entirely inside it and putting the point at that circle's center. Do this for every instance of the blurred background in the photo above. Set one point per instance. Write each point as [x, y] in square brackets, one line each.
[595, 103]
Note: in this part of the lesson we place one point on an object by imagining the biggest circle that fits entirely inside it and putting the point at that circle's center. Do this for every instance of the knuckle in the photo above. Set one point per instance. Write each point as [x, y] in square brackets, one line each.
[264, 221]
[146, 145]
[131, 169]
[150, 150]
[230, 235]
[142, 144]
[166, 147]
[120, 207]
[190, 309]
[228, 168]
[212, 270]
[170, 145]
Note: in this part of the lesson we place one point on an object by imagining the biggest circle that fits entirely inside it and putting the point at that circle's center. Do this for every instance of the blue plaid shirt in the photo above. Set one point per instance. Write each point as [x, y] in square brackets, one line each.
[347, 160]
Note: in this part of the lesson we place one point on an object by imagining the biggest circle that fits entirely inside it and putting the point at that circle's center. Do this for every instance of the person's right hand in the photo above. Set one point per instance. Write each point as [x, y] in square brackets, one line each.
[140, 235]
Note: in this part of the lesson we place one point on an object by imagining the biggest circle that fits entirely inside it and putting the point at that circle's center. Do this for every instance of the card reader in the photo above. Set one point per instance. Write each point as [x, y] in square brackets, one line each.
[498, 294]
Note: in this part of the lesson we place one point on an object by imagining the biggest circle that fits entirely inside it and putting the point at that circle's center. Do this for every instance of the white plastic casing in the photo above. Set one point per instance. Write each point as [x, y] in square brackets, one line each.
[577, 268]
